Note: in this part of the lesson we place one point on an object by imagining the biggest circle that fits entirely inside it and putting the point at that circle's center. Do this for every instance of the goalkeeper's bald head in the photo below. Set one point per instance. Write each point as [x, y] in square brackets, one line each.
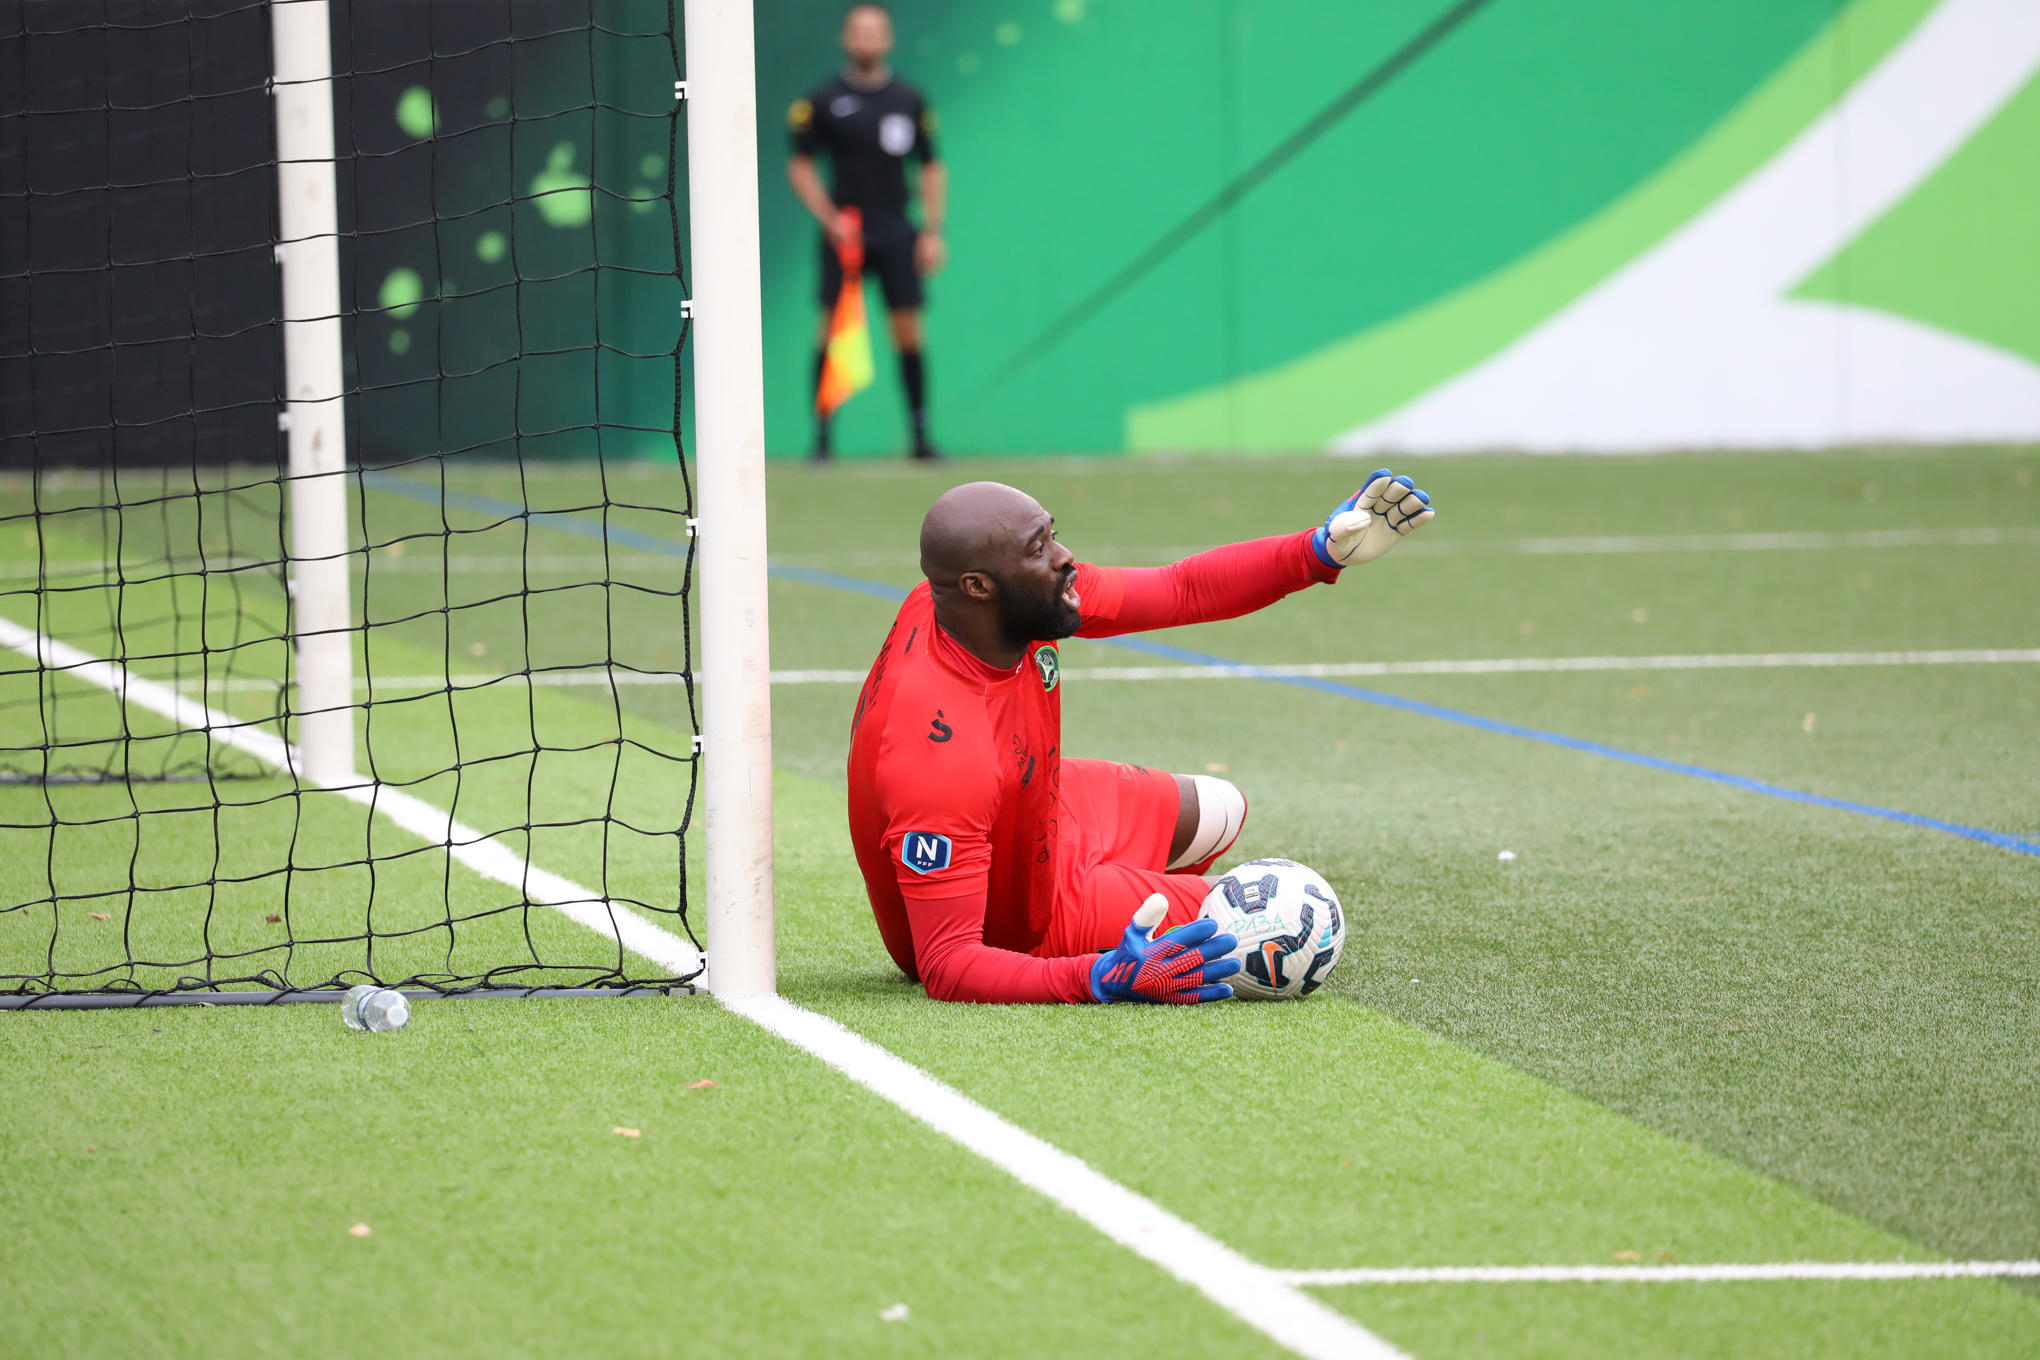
[991, 557]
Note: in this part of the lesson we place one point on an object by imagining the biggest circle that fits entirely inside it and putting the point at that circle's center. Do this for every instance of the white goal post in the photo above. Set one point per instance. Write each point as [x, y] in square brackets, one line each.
[729, 453]
[314, 414]
[729, 450]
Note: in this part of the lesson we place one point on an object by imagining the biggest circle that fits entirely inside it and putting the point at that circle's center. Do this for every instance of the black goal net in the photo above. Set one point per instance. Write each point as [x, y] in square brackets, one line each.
[517, 778]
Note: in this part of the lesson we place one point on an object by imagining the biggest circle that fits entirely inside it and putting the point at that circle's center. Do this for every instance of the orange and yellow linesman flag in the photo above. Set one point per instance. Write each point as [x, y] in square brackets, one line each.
[846, 368]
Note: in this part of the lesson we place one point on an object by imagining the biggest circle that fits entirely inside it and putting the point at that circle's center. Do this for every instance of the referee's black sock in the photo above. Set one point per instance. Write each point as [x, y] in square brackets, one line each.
[914, 377]
[821, 451]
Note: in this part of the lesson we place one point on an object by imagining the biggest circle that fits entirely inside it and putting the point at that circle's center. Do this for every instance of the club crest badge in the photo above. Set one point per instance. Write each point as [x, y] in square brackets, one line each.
[1050, 665]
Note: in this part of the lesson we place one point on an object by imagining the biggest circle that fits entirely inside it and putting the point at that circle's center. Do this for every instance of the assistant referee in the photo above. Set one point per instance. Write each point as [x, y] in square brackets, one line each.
[869, 122]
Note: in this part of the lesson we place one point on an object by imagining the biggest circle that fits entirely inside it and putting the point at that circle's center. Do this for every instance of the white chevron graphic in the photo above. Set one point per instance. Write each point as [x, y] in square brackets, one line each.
[1692, 343]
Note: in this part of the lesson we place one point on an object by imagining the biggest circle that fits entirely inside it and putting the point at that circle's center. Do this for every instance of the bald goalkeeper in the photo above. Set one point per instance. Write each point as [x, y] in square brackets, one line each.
[998, 870]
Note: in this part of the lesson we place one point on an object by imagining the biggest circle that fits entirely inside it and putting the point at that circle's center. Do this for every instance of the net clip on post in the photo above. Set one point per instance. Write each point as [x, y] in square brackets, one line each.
[687, 309]
[679, 90]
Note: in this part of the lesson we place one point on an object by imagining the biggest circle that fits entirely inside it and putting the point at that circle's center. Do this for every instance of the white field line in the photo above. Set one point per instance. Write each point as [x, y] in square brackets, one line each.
[1671, 1274]
[1759, 542]
[601, 679]
[1503, 666]
[596, 678]
[1593, 546]
[1543, 664]
[1253, 1293]
[424, 561]
[81, 571]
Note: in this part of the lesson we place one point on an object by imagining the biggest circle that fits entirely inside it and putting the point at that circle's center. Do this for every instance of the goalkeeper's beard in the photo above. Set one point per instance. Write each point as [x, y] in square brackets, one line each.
[1025, 619]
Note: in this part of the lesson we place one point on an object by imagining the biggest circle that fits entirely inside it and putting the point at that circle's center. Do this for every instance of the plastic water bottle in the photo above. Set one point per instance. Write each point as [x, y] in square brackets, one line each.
[374, 1008]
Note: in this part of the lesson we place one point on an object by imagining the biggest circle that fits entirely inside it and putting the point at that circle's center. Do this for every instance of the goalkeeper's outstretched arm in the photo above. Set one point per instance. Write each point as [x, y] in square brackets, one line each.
[1241, 578]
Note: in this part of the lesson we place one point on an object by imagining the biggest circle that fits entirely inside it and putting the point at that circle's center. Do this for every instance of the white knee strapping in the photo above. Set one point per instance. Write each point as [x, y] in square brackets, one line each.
[1221, 812]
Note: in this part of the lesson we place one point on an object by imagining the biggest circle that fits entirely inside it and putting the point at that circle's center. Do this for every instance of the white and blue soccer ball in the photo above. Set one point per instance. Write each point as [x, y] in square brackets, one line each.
[1289, 925]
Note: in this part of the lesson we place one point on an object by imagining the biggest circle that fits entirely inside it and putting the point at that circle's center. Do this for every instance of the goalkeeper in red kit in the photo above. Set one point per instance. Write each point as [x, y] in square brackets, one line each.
[998, 869]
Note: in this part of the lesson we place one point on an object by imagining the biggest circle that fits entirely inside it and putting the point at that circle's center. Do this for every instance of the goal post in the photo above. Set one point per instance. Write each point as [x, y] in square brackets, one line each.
[720, 106]
[366, 614]
[314, 416]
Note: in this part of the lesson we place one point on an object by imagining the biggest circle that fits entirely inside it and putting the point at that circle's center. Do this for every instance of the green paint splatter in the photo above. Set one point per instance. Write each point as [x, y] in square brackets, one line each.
[967, 63]
[555, 187]
[647, 199]
[416, 114]
[652, 167]
[400, 341]
[1007, 34]
[491, 246]
[401, 293]
[496, 108]
[1070, 11]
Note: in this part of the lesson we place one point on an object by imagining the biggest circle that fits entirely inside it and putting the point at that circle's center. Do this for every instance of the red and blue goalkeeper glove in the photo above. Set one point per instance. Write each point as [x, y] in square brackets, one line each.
[1371, 521]
[1181, 967]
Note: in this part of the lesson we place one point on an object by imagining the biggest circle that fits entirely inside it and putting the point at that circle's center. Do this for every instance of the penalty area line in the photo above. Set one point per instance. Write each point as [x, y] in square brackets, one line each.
[1669, 1274]
[1600, 545]
[598, 677]
[1535, 665]
[1255, 1294]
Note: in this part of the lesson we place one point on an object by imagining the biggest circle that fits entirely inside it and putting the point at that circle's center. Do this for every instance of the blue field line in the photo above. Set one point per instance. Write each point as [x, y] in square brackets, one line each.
[2003, 840]
[429, 493]
[576, 524]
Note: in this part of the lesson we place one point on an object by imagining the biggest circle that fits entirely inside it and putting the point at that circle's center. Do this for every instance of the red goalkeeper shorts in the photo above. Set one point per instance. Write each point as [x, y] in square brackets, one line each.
[1112, 841]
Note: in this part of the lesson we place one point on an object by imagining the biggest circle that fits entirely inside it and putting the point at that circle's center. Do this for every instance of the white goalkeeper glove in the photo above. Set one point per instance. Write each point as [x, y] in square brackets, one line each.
[1371, 521]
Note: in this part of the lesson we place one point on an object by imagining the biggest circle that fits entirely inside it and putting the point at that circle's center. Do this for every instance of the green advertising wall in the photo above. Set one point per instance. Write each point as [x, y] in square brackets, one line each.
[1520, 160]
[1173, 228]
[1079, 132]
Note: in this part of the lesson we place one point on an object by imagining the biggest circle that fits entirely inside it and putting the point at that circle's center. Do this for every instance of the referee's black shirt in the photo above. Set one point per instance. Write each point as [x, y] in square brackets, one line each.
[868, 135]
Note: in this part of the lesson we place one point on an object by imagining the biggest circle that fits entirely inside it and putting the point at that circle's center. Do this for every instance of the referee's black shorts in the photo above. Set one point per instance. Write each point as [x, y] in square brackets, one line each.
[888, 253]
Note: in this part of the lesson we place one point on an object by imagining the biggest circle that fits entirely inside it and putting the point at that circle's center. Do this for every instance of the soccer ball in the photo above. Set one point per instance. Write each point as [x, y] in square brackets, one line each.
[1288, 923]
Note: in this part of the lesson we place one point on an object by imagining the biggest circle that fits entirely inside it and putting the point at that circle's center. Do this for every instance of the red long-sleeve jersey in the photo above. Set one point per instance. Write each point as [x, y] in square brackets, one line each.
[955, 767]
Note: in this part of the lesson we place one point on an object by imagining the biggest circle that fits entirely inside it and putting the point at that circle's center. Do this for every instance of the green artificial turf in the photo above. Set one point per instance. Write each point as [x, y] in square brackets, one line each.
[1395, 1147]
[1842, 1002]
[1686, 1022]
[185, 1181]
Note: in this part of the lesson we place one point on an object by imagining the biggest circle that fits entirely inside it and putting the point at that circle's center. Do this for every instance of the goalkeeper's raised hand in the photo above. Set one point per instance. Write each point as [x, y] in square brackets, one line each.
[1371, 521]
[1180, 967]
